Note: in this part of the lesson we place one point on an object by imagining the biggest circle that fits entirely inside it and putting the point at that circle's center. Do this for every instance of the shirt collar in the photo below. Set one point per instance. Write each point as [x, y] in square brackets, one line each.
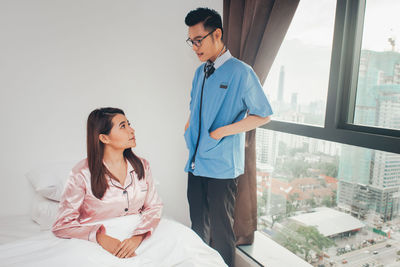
[129, 170]
[129, 166]
[222, 59]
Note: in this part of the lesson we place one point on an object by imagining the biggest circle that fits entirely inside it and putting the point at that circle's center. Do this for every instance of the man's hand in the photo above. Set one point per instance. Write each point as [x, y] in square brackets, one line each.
[187, 124]
[128, 247]
[107, 242]
[218, 133]
[249, 123]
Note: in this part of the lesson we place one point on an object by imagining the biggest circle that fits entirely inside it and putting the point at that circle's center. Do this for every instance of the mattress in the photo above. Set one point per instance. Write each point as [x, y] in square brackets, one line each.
[17, 227]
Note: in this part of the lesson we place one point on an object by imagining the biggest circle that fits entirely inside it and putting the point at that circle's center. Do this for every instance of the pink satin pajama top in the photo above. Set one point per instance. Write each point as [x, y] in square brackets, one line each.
[79, 206]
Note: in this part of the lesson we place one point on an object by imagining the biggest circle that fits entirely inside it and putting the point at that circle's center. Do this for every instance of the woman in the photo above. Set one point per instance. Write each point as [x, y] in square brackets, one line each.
[110, 199]
[111, 182]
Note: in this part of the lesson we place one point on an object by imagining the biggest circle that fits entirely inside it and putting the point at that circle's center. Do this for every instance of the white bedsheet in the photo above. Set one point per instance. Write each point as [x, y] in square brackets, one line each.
[17, 227]
[172, 244]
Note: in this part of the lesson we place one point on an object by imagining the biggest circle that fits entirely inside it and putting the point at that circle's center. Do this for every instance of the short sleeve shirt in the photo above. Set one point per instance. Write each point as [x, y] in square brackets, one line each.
[229, 94]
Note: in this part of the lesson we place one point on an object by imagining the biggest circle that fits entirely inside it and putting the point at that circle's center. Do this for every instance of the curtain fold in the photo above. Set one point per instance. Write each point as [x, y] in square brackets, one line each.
[253, 32]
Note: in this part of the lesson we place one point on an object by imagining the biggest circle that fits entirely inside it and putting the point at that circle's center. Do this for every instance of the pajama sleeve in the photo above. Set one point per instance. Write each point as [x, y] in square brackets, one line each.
[67, 224]
[152, 207]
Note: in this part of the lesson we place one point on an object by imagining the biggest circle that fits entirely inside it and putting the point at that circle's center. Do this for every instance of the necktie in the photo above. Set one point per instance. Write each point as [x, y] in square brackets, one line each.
[209, 69]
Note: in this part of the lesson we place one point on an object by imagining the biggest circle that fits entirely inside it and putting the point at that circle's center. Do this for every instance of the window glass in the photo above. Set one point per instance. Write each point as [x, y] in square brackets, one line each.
[378, 88]
[297, 83]
[314, 194]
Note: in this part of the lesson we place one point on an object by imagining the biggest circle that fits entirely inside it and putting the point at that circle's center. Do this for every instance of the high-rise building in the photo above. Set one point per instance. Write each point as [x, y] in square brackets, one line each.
[266, 147]
[361, 200]
[377, 104]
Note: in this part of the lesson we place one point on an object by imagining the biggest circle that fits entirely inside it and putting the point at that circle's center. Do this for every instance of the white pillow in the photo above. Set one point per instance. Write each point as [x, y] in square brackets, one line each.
[44, 211]
[49, 180]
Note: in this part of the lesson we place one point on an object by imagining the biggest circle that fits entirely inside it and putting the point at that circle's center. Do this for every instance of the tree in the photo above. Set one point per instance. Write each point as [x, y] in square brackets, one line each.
[327, 201]
[313, 240]
[333, 199]
[311, 202]
[329, 168]
[289, 239]
[292, 204]
[295, 168]
[276, 218]
[303, 240]
[290, 208]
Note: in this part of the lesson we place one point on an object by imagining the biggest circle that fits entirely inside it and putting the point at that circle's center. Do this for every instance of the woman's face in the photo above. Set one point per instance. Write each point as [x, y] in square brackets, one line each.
[122, 135]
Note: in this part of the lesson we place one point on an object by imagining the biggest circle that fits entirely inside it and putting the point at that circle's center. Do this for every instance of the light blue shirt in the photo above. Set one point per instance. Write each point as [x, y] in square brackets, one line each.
[232, 91]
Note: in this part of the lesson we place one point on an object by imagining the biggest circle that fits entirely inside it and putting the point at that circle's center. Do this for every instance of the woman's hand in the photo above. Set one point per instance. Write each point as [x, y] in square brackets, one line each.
[128, 247]
[107, 242]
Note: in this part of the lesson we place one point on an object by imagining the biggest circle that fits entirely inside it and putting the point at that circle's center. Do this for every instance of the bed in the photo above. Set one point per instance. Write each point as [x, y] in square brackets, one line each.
[26, 240]
[17, 227]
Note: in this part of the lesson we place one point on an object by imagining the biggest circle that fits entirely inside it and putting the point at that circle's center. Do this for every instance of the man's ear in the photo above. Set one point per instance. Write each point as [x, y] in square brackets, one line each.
[104, 138]
[218, 34]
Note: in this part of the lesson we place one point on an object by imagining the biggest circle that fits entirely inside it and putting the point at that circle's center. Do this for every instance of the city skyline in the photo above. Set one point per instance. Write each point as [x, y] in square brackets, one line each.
[309, 39]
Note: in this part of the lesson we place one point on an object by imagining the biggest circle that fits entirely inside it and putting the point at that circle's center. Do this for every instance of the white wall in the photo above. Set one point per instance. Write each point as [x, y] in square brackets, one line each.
[61, 59]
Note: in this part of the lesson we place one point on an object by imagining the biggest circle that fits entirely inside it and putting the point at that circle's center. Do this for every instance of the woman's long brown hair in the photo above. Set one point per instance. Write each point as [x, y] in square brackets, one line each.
[100, 122]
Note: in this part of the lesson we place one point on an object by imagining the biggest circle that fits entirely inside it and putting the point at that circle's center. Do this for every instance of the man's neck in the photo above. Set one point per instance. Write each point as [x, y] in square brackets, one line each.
[220, 51]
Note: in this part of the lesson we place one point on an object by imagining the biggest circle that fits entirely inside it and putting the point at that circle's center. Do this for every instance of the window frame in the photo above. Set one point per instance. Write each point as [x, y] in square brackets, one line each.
[342, 88]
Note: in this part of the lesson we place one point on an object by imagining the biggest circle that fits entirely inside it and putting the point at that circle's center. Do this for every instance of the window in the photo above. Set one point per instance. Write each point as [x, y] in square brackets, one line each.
[347, 162]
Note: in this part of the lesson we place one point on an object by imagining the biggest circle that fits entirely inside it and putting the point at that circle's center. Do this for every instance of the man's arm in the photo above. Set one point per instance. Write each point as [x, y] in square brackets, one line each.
[249, 123]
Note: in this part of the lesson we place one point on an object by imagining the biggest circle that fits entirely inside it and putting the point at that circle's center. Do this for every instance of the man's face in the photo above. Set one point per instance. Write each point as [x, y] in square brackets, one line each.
[208, 46]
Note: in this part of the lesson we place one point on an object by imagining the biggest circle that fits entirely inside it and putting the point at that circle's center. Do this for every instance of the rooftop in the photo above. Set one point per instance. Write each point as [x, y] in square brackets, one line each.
[329, 221]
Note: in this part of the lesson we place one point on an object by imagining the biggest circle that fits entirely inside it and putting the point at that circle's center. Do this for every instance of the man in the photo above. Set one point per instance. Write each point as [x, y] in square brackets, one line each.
[227, 100]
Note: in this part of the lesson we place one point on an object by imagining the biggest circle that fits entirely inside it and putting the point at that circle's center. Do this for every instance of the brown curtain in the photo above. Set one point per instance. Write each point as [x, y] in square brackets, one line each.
[253, 32]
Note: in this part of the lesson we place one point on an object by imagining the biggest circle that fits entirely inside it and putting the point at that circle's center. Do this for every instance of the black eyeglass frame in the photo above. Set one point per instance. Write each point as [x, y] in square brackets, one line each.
[197, 43]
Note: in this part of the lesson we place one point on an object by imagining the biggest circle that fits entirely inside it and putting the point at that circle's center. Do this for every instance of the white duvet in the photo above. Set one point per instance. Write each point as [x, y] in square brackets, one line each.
[172, 244]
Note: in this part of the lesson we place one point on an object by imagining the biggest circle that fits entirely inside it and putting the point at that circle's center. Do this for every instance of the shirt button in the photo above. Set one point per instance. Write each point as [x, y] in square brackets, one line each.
[126, 209]
[125, 192]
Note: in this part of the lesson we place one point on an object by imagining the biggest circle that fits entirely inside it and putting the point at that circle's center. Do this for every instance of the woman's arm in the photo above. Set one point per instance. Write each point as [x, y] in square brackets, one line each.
[67, 224]
[152, 207]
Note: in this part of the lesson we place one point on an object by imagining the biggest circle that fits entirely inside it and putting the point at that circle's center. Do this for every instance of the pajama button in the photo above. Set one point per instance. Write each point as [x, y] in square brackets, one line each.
[125, 192]
[126, 209]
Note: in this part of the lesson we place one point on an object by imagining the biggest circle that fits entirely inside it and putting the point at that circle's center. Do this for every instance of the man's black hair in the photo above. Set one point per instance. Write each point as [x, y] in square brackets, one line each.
[210, 18]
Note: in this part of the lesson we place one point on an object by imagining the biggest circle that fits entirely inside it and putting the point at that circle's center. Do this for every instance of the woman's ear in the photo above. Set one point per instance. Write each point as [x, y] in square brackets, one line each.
[104, 138]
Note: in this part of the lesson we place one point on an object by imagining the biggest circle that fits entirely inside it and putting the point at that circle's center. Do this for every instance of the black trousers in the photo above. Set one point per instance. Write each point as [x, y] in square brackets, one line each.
[212, 205]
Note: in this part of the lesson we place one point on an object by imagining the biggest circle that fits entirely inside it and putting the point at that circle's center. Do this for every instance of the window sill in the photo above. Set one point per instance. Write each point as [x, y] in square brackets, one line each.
[266, 252]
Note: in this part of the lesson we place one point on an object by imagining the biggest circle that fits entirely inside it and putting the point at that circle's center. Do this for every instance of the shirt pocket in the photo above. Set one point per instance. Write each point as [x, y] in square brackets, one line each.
[143, 186]
[211, 143]
[213, 100]
[222, 151]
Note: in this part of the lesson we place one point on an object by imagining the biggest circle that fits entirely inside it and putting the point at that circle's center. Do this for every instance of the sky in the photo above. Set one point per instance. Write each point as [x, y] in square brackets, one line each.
[381, 21]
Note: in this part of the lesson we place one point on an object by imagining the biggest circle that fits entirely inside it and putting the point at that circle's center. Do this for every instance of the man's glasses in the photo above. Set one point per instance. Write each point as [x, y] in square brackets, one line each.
[197, 43]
